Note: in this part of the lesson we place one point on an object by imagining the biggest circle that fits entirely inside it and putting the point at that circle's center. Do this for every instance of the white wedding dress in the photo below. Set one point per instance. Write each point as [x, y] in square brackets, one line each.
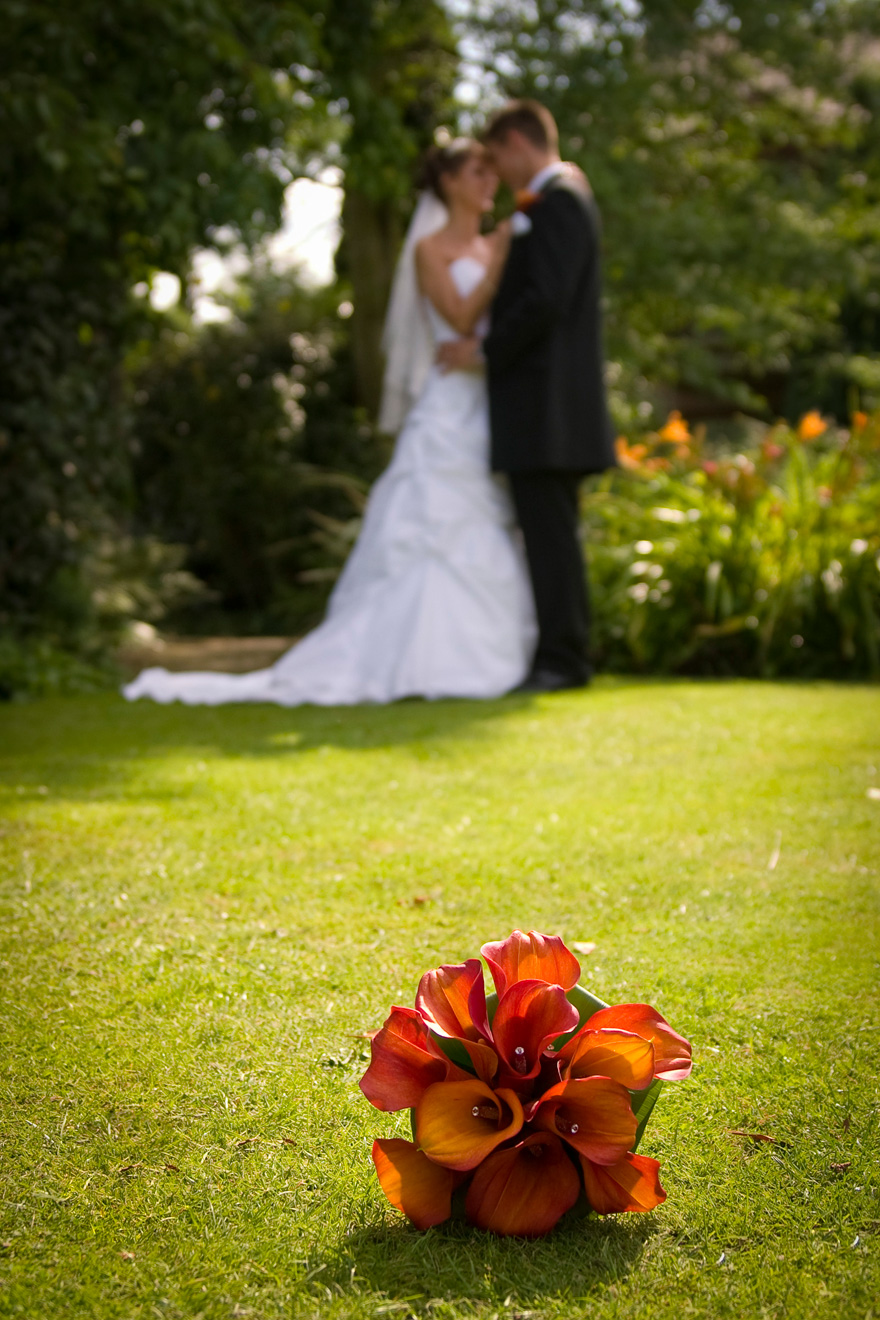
[434, 600]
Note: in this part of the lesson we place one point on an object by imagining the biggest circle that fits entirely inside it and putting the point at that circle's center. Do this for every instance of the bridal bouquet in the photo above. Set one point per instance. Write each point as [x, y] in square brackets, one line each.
[520, 1100]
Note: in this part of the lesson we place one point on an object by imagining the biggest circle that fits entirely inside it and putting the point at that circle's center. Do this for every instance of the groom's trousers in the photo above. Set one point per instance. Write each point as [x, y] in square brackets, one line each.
[547, 508]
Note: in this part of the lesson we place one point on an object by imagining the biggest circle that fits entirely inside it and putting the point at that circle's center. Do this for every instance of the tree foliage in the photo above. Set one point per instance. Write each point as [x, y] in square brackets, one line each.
[127, 132]
[734, 149]
[390, 68]
[242, 436]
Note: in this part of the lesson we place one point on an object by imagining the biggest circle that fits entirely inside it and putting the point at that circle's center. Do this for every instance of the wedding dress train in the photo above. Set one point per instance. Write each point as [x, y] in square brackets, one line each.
[434, 600]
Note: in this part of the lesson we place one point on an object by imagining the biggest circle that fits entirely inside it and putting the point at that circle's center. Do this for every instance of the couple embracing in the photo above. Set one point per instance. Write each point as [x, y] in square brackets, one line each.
[467, 579]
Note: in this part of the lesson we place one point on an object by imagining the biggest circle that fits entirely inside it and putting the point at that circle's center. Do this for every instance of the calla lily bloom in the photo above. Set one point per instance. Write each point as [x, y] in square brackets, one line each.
[633, 1183]
[452, 1000]
[530, 1015]
[459, 1123]
[609, 1052]
[483, 1058]
[525, 1190]
[525, 1113]
[593, 1114]
[531, 957]
[672, 1053]
[413, 1183]
[404, 1063]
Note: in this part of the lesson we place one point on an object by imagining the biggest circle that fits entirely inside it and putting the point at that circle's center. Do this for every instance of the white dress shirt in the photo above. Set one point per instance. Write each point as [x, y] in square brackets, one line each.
[546, 174]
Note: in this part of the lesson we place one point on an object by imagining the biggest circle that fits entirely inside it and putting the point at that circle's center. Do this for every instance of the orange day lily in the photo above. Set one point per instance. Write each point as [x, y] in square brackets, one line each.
[528, 1105]
[811, 425]
[675, 430]
[629, 456]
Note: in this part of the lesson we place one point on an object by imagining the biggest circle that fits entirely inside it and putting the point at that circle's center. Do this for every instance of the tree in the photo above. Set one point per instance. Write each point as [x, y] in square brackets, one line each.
[391, 67]
[734, 150]
[237, 424]
[127, 134]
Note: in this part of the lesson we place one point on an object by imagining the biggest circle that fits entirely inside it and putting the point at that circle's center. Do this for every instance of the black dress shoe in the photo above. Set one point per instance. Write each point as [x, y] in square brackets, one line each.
[547, 680]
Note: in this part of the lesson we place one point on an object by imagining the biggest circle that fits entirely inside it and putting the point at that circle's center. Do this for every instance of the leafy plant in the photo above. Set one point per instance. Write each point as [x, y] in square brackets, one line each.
[762, 562]
[733, 150]
[250, 455]
[121, 164]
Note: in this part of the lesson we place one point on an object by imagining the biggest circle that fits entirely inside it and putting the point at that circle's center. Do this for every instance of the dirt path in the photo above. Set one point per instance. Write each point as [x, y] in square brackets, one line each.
[226, 655]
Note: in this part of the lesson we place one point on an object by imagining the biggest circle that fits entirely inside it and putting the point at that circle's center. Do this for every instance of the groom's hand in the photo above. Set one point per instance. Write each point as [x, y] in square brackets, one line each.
[460, 354]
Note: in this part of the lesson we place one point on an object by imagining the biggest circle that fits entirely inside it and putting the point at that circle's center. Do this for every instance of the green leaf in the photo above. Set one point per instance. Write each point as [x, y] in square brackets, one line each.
[586, 1004]
[643, 1103]
[454, 1050]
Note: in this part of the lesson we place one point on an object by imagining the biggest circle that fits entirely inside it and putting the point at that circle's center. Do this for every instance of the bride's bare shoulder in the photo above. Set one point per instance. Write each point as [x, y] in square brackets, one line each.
[433, 249]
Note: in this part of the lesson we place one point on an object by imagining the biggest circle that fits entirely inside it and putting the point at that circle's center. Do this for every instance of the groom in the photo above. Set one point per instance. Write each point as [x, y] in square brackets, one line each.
[549, 418]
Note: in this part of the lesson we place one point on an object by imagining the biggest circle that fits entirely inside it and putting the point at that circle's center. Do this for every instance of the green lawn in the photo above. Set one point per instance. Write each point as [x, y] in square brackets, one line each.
[203, 910]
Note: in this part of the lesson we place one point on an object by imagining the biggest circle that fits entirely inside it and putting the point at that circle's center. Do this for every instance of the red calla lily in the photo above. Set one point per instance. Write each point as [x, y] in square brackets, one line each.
[504, 1111]
[672, 1053]
[633, 1183]
[459, 1123]
[404, 1063]
[530, 1014]
[607, 1052]
[592, 1114]
[413, 1183]
[525, 1190]
[531, 957]
[452, 1000]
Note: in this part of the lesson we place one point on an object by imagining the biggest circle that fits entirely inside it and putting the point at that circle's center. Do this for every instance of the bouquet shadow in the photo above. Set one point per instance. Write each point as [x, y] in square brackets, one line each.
[582, 1257]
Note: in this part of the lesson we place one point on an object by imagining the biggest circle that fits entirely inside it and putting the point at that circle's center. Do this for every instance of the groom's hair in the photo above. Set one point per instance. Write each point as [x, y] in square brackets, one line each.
[530, 118]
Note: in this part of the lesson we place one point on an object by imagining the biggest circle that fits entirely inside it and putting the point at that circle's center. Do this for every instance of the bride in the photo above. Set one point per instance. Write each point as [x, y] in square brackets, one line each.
[434, 600]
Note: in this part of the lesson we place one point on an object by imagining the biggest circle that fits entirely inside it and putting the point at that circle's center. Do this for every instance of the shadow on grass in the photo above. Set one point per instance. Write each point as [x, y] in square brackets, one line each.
[83, 746]
[581, 1257]
[77, 745]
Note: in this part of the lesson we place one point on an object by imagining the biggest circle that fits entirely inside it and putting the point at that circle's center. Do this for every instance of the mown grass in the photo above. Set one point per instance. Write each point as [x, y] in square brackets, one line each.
[203, 910]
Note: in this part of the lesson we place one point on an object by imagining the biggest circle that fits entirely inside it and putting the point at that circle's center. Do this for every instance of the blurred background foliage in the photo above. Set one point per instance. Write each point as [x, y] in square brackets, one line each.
[210, 477]
[760, 560]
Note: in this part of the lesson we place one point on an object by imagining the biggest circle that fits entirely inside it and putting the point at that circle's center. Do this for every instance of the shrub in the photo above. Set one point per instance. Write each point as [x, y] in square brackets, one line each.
[242, 428]
[762, 562]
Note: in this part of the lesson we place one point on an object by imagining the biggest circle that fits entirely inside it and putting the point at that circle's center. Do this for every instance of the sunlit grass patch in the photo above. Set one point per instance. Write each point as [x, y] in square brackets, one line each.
[204, 910]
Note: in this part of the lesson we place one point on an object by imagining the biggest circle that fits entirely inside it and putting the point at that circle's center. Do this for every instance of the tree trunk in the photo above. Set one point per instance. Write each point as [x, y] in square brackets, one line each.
[371, 239]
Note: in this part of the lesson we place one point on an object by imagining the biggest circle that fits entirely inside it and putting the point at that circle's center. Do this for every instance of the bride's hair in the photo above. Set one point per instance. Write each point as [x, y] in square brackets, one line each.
[444, 160]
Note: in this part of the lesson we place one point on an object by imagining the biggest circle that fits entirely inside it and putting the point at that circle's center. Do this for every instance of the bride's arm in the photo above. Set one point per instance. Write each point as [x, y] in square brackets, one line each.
[435, 281]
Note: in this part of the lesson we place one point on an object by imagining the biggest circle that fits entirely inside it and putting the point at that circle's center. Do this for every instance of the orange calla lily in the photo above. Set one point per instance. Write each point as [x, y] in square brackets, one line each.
[593, 1114]
[609, 1052]
[459, 1123]
[531, 957]
[672, 1053]
[483, 1059]
[404, 1063]
[413, 1183]
[503, 1110]
[452, 1000]
[523, 1191]
[530, 1015]
[524, 198]
[633, 1184]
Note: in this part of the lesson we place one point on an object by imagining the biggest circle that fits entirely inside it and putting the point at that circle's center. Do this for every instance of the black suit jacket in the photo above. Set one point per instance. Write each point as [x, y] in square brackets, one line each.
[544, 348]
